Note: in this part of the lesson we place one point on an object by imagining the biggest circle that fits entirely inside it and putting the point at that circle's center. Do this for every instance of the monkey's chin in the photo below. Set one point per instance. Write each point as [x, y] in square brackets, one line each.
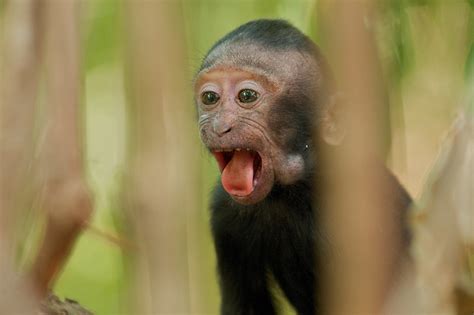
[246, 175]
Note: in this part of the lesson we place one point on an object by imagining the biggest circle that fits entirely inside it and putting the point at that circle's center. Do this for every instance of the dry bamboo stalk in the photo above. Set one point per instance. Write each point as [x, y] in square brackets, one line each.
[18, 97]
[162, 178]
[361, 220]
[59, 172]
[18, 83]
[65, 196]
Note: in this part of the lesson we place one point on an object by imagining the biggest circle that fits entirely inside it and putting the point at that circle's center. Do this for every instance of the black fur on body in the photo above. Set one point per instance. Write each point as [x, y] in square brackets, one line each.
[277, 238]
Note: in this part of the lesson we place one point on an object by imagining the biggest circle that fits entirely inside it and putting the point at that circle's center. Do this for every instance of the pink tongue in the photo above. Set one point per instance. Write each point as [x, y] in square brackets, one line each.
[237, 176]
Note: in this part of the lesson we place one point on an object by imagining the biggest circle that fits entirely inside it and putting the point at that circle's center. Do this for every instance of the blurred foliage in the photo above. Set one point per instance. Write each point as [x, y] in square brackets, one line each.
[102, 29]
[471, 3]
[470, 59]
[418, 2]
[470, 65]
[401, 45]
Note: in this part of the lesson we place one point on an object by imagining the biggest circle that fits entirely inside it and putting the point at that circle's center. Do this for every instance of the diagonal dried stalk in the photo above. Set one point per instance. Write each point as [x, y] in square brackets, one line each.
[443, 229]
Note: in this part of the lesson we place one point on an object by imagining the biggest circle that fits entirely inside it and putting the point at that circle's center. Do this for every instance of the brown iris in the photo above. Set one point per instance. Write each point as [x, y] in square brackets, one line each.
[248, 96]
[210, 98]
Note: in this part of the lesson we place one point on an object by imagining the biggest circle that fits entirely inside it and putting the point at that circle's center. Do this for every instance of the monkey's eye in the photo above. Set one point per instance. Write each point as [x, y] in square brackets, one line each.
[248, 96]
[210, 98]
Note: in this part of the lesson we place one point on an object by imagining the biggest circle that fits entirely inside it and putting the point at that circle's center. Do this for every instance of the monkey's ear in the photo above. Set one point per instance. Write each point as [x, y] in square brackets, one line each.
[333, 127]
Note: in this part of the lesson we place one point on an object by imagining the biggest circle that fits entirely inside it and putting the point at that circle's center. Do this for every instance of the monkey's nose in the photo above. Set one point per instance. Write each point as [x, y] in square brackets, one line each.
[222, 129]
[223, 123]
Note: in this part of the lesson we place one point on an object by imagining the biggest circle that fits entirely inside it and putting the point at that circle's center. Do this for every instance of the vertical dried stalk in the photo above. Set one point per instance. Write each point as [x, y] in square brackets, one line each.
[18, 84]
[361, 222]
[65, 196]
[163, 182]
[64, 193]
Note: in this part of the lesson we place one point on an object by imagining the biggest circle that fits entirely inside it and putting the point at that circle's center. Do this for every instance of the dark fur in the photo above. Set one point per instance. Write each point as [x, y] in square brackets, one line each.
[277, 237]
[271, 34]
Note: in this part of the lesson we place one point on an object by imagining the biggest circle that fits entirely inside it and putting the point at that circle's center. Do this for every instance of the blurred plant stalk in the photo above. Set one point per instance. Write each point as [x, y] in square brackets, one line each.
[362, 224]
[41, 154]
[442, 280]
[18, 84]
[439, 277]
[161, 185]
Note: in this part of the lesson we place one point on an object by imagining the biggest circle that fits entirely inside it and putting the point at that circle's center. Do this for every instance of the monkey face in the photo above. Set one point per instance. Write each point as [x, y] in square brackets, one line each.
[236, 110]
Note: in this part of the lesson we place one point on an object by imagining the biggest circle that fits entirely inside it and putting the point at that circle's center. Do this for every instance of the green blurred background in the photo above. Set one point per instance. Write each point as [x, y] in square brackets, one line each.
[426, 51]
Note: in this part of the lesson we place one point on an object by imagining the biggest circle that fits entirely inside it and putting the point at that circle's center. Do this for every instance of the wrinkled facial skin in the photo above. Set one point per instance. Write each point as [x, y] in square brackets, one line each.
[238, 133]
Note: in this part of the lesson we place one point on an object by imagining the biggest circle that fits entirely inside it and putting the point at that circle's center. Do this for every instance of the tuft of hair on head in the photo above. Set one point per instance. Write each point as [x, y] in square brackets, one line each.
[273, 34]
[276, 34]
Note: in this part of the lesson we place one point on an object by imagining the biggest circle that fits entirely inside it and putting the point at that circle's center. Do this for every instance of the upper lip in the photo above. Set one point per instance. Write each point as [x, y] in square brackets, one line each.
[223, 159]
[235, 146]
[231, 149]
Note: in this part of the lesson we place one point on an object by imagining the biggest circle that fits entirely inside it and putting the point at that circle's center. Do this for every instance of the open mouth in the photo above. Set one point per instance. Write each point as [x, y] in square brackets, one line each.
[240, 170]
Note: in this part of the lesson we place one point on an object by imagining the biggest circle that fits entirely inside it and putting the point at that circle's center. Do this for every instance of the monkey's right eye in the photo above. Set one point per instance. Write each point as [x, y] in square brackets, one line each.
[210, 98]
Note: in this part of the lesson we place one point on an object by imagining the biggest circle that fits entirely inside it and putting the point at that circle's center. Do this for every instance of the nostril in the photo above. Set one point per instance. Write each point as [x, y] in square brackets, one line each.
[223, 123]
[223, 130]
[228, 129]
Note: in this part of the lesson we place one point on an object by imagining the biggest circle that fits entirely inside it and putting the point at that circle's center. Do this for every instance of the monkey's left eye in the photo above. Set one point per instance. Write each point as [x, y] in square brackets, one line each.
[248, 96]
[209, 98]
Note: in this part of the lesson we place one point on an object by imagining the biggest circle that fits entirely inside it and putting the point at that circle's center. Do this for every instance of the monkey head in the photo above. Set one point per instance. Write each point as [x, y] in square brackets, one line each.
[258, 94]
